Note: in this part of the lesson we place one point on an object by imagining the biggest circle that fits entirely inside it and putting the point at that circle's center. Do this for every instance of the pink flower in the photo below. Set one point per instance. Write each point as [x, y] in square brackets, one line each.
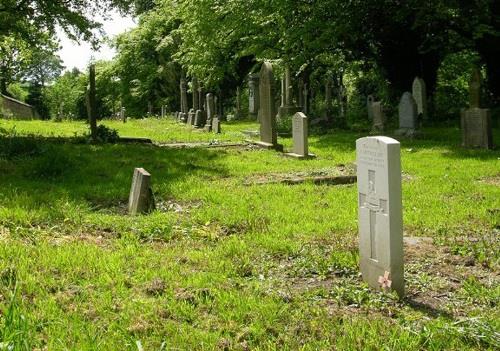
[384, 281]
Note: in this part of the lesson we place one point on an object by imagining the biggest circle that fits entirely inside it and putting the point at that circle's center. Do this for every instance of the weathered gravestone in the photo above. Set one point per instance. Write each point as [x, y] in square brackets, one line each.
[378, 117]
[300, 135]
[287, 107]
[408, 115]
[190, 118]
[305, 94]
[370, 99]
[141, 196]
[123, 116]
[184, 100]
[210, 112]
[199, 119]
[380, 213]
[253, 94]
[476, 121]
[419, 92]
[194, 88]
[216, 125]
[267, 109]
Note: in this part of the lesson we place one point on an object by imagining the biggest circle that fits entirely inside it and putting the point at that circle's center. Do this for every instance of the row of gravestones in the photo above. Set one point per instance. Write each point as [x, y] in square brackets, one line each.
[380, 218]
[267, 118]
[475, 122]
[202, 115]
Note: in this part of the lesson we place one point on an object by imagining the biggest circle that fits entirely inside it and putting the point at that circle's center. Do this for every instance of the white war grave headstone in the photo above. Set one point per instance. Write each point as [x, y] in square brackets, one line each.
[380, 213]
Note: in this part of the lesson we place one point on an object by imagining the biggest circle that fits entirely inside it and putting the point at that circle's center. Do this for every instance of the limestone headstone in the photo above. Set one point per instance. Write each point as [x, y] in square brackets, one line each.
[305, 93]
[141, 196]
[199, 119]
[184, 100]
[477, 128]
[123, 116]
[253, 94]
[300, 88]
[190, 118]
[210, 112]
[216, 125]
[300, 135]
[267, 111]
[420, 95]
[194, 88]
[408, 115]
[380, 213]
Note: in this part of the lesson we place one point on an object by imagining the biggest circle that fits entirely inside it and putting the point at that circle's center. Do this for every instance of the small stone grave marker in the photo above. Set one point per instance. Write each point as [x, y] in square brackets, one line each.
[380, 213]
[216, 125]
[300, 137]
[141, 196]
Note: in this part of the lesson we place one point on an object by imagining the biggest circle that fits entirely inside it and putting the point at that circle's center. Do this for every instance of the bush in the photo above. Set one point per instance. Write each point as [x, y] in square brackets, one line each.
[107, 135]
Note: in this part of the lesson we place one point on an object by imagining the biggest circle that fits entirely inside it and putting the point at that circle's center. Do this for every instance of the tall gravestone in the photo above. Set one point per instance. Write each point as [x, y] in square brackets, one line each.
[300, 88]
[194, 88]
[300, 137]
[476, 121]
[370, 99]
[380, 214]
[287, 107]
[419, 92]
[184, 100]
[201, 98]
[210, 112]
[253, 94]
[267, 109]
[141, 196]
[378, 117]
[123, 117]
[190, 118]
[408, 115]
[305, 93]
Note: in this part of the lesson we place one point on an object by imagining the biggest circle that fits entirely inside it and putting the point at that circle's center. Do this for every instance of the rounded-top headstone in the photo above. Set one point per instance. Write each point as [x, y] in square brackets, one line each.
[419, 91]
[408, 111]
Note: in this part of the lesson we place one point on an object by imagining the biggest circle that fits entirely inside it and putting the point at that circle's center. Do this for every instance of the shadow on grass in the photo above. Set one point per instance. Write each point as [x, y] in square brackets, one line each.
[46, 170]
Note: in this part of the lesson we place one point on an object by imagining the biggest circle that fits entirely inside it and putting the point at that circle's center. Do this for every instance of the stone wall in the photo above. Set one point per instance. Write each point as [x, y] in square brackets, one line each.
[13, 109]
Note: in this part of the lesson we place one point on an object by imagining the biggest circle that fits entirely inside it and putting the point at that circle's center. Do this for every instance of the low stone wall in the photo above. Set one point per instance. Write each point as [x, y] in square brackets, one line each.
[13, 109]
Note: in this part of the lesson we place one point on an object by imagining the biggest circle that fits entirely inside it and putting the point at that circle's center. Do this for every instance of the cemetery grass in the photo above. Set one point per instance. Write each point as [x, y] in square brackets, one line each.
[225, 264]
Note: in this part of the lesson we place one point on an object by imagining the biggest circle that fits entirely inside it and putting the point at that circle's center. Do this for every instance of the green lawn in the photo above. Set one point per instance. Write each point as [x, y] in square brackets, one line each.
[226, 265]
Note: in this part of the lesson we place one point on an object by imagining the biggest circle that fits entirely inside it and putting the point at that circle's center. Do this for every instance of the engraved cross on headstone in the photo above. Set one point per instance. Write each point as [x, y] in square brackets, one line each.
[377, 206]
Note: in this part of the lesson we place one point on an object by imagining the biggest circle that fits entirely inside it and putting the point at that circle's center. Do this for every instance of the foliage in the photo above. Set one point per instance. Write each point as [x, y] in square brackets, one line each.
[106, 135]
[66, 96]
